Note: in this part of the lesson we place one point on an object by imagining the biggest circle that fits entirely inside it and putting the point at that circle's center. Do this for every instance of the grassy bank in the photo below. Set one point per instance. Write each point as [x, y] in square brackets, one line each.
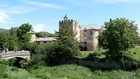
[65, 72]
[70, 71]
[8, 72]
[79, 72]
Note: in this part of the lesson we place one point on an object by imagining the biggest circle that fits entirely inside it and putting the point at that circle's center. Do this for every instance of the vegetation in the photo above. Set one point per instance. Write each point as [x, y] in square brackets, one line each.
[120, 34]
[8, 41]
[45, 34]
[118, 39]
[22, 32]
[64, 72]
[135, 52]
[8, 72]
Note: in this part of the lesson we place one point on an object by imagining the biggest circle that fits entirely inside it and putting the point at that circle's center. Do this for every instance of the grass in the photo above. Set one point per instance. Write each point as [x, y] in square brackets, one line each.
[66, 71]
[136, 52]
[69, 71]
[84, 54]
[79, 72]
[7, 72]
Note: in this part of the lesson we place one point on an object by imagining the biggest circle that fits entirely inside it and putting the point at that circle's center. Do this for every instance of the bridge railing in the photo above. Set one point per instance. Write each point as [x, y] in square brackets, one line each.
[14, 53]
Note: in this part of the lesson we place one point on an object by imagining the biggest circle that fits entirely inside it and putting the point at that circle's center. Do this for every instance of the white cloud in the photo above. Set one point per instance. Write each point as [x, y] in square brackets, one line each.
[17, 9]
[43, 4]
[4, 18]
[39, 27]
[20, 9]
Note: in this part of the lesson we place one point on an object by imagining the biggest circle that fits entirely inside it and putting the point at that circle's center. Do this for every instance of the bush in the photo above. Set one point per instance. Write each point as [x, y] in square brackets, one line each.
[4, 62]
[12, 61]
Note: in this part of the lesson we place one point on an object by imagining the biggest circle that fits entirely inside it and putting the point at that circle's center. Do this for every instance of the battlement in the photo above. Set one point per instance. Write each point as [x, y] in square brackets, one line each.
[64, 21]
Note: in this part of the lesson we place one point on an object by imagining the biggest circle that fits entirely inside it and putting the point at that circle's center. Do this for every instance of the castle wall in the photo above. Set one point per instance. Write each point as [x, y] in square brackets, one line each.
[82, 36]
[70, 24]
[92, 40]
[87, 37]
[33, 37]
[76, 30]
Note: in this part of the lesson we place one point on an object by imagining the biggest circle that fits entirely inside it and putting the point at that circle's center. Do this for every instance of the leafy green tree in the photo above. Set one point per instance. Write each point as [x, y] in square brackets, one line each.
[8, 41]
[70, 47]
[13, 31]
[120, 34]
[12, 43]
[3, 40]
[66, 30]
[22, 32]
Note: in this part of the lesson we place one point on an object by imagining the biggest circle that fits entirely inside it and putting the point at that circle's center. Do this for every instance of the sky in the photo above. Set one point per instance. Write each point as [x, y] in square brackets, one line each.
[44, 15]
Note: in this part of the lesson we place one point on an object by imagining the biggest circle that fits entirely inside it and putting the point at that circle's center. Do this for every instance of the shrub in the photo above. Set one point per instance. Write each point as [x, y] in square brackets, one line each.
[12, 61]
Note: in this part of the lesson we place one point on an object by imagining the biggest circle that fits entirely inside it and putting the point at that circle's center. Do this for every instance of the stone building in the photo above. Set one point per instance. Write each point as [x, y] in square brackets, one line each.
[86, 35]
[40, 40]
[70, 24]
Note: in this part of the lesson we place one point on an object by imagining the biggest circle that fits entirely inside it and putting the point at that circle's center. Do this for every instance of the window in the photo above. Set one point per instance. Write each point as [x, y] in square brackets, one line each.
[90, 32]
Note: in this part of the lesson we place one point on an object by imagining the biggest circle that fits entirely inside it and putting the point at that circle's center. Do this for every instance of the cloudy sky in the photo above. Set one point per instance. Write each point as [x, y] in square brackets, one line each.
[44, 15]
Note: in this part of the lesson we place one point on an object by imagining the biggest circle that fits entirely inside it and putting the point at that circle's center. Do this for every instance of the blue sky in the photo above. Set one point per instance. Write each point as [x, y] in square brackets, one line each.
[44, 15]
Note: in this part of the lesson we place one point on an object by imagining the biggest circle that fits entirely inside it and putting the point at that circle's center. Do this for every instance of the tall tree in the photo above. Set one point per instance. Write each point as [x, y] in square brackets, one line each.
[120, 34]
[22, 32]
[13, 31]
[8, 41]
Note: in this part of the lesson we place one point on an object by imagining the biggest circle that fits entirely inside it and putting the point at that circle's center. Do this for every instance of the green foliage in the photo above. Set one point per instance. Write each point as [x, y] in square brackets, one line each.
[69, 46]
[65, 48]
[12, 42]
[80, 72]
[12, 61]
[3, 62]
[4, 31]
[3, 40]
[66, 30]
[120, 34]
[135, 52]
[39, 53]
[22, 32]
[64, 72]
[13, 31]
[45, 34]
[8, 72]
[8, 41]
[138, 40]
[53, 53]
[18, 62]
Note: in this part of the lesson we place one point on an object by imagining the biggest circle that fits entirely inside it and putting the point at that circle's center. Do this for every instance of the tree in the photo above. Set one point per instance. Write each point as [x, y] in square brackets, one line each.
[68, 42]
[22, 32]
[66, 30]
[8, 41]
[3, 40]
[120, 34]
[12, 42]
[13, 31]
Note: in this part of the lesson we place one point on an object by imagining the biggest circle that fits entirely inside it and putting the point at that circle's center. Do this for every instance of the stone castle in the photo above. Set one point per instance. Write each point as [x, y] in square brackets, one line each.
[86, 35]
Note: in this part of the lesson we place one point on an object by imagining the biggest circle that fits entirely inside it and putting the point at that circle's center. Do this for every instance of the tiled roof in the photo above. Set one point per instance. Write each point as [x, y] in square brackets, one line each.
[46, 39]
[88, 27]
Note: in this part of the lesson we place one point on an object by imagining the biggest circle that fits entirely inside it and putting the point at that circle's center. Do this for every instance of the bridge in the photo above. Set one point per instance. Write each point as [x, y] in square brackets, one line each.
[12, 54]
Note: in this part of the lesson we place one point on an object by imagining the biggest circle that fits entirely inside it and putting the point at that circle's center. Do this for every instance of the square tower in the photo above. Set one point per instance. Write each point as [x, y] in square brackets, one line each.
[73, 25]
